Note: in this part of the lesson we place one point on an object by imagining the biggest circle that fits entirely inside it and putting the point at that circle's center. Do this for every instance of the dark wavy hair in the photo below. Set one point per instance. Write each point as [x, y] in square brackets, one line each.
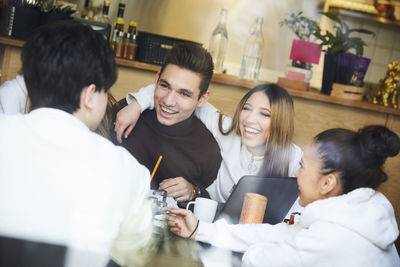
[192, 57]
[60, 59]
[357, 157]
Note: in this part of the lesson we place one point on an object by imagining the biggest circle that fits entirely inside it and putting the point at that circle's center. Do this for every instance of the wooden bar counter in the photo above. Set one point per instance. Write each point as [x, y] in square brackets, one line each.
[314, 112]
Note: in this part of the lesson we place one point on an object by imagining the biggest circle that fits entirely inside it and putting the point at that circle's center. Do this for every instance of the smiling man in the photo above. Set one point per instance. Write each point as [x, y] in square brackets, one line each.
[191, 156]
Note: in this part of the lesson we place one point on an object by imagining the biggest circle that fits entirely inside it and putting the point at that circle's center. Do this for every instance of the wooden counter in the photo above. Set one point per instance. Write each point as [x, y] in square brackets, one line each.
[314, 112]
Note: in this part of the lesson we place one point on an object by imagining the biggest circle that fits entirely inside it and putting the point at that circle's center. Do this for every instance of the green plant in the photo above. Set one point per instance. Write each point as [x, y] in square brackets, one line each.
[335, 43]
[303, 27]
[341, 41]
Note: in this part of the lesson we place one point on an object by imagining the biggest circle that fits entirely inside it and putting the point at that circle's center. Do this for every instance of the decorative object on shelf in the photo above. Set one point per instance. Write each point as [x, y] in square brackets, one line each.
[340, 65]
[388, 88]
[303, 53]
[253, 52]
[364, 6]
[396, 12]
[385, 9]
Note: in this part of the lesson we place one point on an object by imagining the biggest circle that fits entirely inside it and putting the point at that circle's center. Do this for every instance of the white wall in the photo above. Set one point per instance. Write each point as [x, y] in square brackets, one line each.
[196, 19]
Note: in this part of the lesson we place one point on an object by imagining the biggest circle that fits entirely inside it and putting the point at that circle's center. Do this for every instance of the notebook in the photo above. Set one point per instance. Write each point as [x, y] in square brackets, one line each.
[280, 191]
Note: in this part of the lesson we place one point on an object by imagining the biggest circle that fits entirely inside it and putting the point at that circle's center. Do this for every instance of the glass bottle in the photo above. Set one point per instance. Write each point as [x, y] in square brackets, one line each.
[253, 52]
[119, 27]
[121, 10]
[119, 44]
[130, 42]
[219, 42]
[87, 12]
[104, 17]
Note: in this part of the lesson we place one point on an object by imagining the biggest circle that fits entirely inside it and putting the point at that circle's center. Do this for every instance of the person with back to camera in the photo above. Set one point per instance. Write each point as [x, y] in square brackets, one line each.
[345, 222]
[14, 99]
[61, 183]
[257, 141]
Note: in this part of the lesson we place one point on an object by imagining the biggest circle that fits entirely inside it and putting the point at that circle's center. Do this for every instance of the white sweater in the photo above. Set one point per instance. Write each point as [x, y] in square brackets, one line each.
[13, 95]
[237, 161]
[61, 183]
[356, 229]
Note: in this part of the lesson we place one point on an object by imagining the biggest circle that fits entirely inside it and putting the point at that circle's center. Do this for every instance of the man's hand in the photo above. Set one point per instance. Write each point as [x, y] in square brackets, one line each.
[178, 188]
[126, 119]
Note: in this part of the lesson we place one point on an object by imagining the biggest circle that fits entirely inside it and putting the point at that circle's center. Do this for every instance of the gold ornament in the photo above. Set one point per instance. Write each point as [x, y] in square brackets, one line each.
[387, 90]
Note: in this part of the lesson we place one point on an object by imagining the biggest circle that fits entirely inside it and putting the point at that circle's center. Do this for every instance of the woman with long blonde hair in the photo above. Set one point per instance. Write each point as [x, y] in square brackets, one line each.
[258, 140]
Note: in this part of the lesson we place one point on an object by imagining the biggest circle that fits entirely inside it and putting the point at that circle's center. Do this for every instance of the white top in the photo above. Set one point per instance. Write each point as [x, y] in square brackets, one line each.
[13, 95]
[61, 183]
[237, 161]
[356, 229]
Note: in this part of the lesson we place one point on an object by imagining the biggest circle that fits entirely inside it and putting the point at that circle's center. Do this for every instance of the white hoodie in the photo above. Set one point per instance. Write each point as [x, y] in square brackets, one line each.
[355, 229]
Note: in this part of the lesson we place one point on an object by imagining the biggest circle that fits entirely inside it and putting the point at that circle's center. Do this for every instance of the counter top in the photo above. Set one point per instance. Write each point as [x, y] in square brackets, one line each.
[234, 81]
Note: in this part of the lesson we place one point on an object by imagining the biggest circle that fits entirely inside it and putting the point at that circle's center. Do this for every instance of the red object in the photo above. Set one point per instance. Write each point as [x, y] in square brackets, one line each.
[296, 76]
[291, 220]
[306, 52]
[385, 10]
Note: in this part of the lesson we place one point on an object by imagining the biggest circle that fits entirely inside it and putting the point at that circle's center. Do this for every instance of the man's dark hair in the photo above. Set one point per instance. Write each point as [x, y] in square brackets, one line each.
[192, 57]
[60, 59]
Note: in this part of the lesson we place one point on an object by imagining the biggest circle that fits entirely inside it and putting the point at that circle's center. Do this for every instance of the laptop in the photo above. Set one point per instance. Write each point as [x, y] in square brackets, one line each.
[280, 191]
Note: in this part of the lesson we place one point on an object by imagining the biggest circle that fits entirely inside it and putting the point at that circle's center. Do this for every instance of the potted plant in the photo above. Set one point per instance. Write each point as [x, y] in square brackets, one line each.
[340, 64]
[304, 52]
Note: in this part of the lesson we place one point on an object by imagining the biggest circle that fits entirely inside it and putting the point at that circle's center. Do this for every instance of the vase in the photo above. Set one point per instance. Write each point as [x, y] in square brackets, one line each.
[329, 73]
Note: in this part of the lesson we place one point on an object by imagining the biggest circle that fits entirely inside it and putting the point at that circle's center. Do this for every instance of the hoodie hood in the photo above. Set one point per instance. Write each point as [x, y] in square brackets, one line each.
[364, 211]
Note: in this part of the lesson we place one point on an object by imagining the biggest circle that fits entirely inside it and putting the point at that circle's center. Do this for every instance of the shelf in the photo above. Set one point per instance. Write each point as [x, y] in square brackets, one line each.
[358, 10]
[226, 79]
[351, 5]
[360, 15]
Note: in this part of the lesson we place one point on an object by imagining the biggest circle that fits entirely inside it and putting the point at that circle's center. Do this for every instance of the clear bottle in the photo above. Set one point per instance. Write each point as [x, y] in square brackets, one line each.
[219, 42]
[104, 17]
[253, 52]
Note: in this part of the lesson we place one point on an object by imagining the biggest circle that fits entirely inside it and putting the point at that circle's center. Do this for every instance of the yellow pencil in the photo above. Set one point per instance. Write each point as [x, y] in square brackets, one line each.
[156, 167]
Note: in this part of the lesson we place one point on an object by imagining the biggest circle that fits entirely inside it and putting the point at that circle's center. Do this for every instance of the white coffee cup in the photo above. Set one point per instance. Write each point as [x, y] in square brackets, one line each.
[204, 208]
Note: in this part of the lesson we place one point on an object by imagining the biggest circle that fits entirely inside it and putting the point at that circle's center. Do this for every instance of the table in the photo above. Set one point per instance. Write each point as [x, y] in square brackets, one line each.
[181, 252]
